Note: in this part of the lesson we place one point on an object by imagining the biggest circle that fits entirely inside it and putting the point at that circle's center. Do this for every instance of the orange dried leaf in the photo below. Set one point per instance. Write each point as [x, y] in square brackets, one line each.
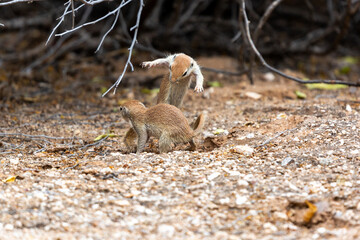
[309, 214]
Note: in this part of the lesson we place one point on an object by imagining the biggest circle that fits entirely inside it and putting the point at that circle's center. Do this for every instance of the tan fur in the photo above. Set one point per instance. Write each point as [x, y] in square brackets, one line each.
[173, 86]
[163, 121]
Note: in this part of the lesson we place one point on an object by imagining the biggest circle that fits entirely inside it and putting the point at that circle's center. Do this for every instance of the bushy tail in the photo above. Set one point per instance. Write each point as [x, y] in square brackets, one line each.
[198, 124]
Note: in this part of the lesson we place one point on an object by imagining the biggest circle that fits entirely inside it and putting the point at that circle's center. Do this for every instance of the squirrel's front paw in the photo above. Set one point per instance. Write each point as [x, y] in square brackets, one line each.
[199, 89]
[146, 64]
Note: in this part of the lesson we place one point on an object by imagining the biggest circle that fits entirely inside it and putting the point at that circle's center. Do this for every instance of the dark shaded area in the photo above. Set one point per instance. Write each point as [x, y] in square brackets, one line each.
[295, 33]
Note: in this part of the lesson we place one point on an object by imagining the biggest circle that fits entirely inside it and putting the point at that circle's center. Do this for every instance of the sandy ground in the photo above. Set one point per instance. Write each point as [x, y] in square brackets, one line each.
[276, 167]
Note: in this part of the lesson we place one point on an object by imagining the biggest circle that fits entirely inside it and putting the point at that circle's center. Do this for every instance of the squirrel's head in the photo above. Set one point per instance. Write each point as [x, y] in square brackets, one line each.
[180, 66]
[131, 107]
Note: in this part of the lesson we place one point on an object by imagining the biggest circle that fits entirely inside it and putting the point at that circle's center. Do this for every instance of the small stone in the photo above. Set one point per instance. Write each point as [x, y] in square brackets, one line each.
[269, 77]
[286, 161]
[159, 170]
[280, 215]
[106, 170]
[121, 203]
[253, 95]
[322, 230]
[40, 154]
[166, 231]
[242, 183]
[325, 161]
[221, 235]
[348, 108]
[9, 227]
[270, 228]
[250, 135]
[14, 161]
[244, 149]
[224, 201]
[358, 206]
[240, 200]
[213, 176]
[355, 152]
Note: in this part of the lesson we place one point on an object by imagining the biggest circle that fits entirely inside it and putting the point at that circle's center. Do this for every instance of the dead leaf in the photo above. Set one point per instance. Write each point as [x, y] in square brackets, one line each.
[9, 179]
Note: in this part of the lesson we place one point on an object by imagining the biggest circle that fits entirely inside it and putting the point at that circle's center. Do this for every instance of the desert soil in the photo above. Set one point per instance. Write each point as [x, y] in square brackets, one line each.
[268, 166]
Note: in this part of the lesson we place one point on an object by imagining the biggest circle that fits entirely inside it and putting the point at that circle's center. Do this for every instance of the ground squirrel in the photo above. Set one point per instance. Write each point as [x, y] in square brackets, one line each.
[174, 85]
[163, 121]
[182, 69]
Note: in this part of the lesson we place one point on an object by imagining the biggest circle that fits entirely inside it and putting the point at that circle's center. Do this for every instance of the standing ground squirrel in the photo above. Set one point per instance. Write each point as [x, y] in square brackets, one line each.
[162, 121]
[174, 85]
[182, 69]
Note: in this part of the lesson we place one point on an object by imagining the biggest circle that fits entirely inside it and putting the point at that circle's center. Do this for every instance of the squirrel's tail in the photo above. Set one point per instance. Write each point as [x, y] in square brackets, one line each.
[198, 124]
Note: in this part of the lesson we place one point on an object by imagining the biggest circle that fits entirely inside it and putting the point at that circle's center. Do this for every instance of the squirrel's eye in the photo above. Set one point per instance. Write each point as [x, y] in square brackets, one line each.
[191, 65]
[184, 73]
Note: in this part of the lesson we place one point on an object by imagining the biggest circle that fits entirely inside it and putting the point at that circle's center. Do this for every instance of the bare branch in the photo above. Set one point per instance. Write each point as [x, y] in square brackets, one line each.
[136, 28]
[261, 23]
[17, 1]
[73, 13]
[110, 29]
[31, 136]
[91, 2]
[122, 4]
[67, 4]
[262, 60]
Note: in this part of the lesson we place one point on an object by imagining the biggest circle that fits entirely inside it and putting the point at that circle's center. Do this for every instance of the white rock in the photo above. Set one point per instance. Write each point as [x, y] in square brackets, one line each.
[115, 154]
[242, 183]
[286, 161]
[221, 235]
[9, 227]
[240, 200]
[280, 215]
[213, 176]
[269, 77]
[159, 170]
[244, 149]
[348, 108]
[322, 230]
[358, 206]
[253, 95]
[14, 161]
[269, 227]
[224, 201]
[355, 152]
[106, 170]
[166, 231]
[122, 202]
[250, 135]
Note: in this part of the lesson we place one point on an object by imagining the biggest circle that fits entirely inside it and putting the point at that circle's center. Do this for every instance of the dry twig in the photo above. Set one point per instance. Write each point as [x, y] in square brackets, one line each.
[262, 60]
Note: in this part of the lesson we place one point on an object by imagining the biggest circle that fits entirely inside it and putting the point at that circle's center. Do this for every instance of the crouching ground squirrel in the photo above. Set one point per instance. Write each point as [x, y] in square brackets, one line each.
[182, 70]
[163, 121]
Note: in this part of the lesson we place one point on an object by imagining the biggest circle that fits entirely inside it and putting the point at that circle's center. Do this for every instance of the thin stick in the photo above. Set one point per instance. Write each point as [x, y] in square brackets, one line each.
[31, 136]
[262, 60]
[95, 21]
[16, 1]
[224, 72]
[73, 13]
[276, 136]
[110, 29]
[262, 22]
[136, 28]
[67, 4]
[91, 2]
